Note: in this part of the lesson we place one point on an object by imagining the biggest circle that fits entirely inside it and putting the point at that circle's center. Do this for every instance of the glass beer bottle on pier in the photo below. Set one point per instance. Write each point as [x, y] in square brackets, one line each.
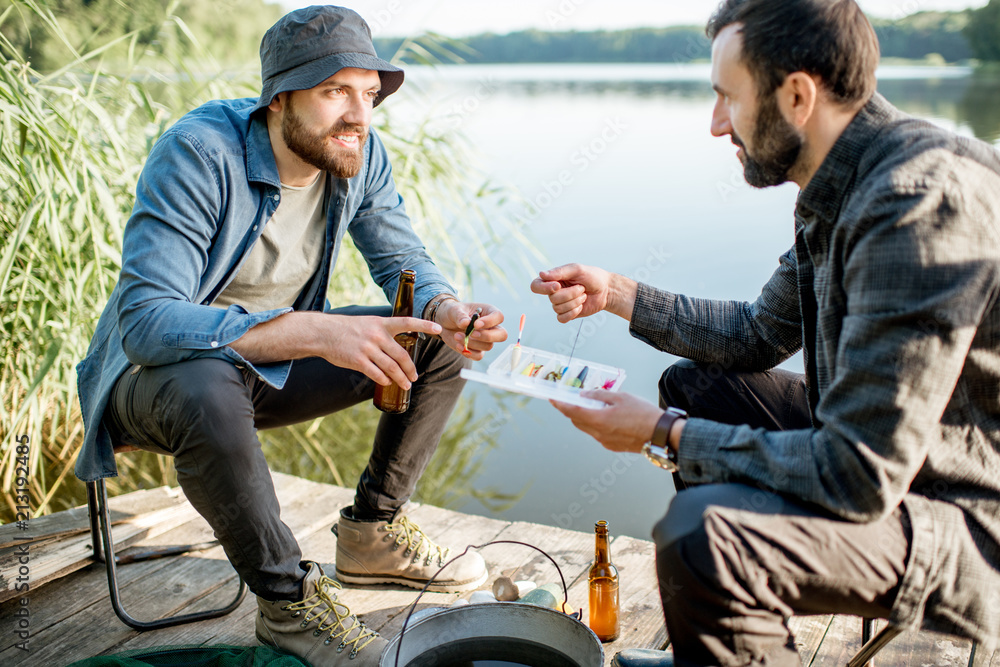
[603, 587]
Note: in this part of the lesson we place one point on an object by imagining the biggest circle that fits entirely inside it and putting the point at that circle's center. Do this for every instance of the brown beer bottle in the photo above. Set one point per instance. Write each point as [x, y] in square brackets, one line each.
[395, 399]
[603, 588]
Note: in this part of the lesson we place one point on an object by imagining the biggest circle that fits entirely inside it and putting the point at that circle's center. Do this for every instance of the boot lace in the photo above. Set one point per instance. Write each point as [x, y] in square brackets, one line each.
[333, 615]
[416, 542]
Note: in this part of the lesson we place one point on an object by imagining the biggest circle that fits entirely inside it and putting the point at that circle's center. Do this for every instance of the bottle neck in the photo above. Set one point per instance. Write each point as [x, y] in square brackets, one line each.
[602, 550]
[403, 305]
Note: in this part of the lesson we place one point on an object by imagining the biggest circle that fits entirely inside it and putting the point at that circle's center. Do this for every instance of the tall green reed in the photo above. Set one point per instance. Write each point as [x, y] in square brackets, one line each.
[72, 144]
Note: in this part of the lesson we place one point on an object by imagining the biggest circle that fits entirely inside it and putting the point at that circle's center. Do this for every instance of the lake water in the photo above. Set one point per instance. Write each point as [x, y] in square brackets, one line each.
[620, 171]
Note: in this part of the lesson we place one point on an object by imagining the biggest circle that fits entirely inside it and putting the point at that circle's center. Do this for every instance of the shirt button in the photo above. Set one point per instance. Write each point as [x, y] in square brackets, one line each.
[215, 343]
[255, 227]
[277, 197]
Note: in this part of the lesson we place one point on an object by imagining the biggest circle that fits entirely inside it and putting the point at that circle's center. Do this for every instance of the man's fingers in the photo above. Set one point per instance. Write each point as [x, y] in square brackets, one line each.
[568, 295]
[544, 287]
[489, 319]
[560, 273]
[396, 363]
[602, 395]
[490, 336]
[568, 305]
[398, 325]
[569, 316]
[565, 408]
[375, 373]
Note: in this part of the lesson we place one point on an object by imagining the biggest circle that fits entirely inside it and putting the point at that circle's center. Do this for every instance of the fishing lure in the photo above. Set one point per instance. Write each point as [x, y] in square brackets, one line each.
[579, 379]
[555, 376]
[469, 329]
[515, 354]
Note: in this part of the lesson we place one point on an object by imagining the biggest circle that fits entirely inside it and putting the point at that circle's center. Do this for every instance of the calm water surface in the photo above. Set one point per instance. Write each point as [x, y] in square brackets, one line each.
[619, 170]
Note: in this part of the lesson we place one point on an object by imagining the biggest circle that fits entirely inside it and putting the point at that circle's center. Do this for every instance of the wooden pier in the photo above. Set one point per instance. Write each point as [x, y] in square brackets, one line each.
[70, 615]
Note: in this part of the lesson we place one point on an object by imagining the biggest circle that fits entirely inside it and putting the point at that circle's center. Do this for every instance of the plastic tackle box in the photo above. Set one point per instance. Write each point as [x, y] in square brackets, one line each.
[499, 374]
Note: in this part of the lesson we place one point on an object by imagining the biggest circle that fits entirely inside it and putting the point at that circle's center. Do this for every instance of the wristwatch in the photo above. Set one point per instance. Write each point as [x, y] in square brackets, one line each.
[657, 451]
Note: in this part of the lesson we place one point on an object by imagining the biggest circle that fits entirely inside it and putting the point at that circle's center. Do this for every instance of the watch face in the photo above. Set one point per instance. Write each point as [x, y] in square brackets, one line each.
[659, 457]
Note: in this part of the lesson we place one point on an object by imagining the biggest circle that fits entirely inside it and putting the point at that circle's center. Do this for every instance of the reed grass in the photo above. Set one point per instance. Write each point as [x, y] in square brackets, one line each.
[72, 144]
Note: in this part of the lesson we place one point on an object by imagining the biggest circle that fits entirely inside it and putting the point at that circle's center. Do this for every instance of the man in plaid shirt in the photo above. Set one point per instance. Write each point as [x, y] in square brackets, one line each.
[870, 485]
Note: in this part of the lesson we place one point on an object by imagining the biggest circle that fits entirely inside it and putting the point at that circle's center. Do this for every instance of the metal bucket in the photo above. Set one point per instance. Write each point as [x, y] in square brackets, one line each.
[495, 633]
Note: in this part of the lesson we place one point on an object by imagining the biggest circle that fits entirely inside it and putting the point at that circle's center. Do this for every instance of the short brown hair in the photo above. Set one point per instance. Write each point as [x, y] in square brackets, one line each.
[831, 39]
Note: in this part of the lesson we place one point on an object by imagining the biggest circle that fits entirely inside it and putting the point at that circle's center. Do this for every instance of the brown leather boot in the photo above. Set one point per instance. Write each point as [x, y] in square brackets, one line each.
[399, 552]
[319, 629]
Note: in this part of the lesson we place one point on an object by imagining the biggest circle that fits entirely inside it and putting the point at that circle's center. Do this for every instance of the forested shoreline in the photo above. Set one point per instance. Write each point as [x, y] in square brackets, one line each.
[233, 28]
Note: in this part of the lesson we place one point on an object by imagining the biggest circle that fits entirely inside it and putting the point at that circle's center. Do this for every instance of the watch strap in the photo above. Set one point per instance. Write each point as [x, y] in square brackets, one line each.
[661, 434]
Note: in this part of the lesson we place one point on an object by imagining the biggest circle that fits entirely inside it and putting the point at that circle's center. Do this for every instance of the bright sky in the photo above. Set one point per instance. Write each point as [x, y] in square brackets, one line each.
[468, 17]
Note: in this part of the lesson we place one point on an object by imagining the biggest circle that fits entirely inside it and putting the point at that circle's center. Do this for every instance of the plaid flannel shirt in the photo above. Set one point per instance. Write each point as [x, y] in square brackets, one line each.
[891, 292]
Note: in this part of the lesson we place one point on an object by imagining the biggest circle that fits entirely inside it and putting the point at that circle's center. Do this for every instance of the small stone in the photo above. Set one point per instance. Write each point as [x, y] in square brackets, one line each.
[479, 597]
[505, 590]
[524, 586]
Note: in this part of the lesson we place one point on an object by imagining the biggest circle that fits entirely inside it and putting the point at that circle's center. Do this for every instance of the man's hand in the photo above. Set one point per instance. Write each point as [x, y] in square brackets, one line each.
[361, 343]
[454, 318]
[624, 425]
[576, 291]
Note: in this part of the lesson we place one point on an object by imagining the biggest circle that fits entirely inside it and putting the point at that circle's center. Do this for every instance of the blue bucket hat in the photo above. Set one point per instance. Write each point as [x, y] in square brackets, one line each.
[308, 46]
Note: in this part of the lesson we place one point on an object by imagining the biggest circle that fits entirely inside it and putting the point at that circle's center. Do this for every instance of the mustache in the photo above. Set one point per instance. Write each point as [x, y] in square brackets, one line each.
[347, 128]
[737, 141]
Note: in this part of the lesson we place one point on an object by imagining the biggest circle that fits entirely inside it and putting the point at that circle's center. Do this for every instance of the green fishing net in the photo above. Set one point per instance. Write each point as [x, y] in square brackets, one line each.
[196, 656]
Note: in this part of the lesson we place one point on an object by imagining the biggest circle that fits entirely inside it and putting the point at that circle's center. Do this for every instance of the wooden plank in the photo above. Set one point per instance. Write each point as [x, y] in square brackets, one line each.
[809, 632]
[843, 640]
[983, 658]
[75, 521]
[50, 561]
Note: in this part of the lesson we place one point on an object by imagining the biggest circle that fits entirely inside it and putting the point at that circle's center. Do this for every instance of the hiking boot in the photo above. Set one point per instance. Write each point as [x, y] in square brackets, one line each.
[399, 552]
[319, 629]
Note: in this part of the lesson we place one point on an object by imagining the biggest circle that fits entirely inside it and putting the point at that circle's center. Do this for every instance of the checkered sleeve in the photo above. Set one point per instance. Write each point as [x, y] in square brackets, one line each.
[737, 335]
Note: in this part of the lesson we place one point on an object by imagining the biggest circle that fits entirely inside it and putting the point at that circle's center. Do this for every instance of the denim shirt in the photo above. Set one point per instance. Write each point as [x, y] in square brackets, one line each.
[892, 291]
[209, 186]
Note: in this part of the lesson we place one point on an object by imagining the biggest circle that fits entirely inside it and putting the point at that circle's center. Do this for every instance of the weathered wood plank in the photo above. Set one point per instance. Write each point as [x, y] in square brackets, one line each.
[983, 658]
[809, 632]
[47, 562]
[843, 640]
[75, 521]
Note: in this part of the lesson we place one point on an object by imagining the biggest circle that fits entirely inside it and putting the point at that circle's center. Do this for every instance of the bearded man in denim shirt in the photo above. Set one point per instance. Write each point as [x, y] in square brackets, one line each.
[220, 324]
[870, 485]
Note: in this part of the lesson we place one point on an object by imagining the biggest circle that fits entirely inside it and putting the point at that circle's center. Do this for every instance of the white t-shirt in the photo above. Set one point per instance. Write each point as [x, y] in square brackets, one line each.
[286, 255]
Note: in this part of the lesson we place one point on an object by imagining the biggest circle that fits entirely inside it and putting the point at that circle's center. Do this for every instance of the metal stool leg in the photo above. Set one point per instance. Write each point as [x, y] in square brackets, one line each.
[872, 645]
[100, 516]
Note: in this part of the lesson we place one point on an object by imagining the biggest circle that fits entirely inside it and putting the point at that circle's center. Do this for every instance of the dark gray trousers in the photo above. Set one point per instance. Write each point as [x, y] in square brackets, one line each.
[206, 412]
[735, 562]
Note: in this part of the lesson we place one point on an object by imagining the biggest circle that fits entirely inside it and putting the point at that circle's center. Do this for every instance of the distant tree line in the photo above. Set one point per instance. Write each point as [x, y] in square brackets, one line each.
[231, 29]
[954, 36]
